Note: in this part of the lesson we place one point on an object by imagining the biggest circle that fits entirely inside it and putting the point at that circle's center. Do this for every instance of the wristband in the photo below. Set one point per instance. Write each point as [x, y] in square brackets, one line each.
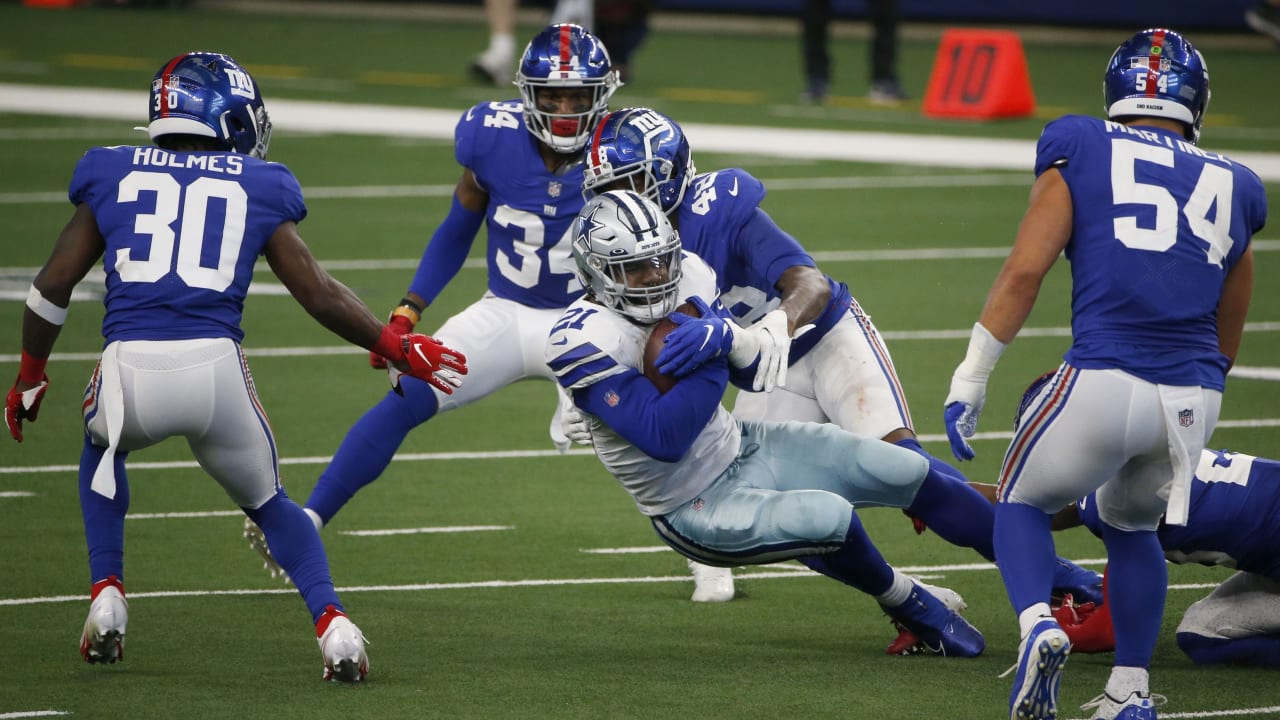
[983, 353]
[31, 370]
[388, 344]
[407, 312]
[48, 311]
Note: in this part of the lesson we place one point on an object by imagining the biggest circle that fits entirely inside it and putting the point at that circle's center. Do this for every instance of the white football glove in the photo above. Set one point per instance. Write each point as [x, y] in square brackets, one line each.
[574, 425]
[767, 338]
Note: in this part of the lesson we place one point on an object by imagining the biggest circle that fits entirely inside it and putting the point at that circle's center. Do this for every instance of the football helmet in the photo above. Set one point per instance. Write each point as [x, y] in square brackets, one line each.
[211, 95]
[1157, 73]
[565, 56]
[645, 146]
[619, 232]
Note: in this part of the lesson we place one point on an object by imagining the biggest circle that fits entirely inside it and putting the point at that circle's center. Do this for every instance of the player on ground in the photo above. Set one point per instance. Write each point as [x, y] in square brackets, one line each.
[1157, 232]
[179, 226]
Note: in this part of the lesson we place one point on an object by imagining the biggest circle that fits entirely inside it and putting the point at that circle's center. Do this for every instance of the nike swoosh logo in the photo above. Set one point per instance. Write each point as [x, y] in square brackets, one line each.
[470, 114]
[706, 339]
[733, 191]
[561, 341]
[418, 349]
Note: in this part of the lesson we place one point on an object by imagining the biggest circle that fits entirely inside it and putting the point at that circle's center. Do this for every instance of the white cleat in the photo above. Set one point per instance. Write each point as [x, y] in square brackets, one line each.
[342, 645]
[711, 584]
[258, 542]
[103, 638]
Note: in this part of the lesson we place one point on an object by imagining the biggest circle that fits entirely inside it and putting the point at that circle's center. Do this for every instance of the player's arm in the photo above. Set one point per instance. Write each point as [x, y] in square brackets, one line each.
[663, 426]
[1234, 305]
[805, 293]
[79, 246]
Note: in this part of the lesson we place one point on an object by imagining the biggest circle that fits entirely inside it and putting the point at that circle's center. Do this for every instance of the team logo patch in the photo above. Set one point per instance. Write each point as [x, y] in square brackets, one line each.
[611, 399]
[1186, 418]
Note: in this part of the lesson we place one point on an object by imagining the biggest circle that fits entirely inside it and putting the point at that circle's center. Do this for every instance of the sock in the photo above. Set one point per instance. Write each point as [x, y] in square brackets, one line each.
[1125, 681]
[898, 592]
[103, 516]
[501, 46]
[1137, 581]
[1029, 618]
[1256, 650]
[956, 512]
[856, 563]
[295, 544]
[1024, 552]
[369, 446]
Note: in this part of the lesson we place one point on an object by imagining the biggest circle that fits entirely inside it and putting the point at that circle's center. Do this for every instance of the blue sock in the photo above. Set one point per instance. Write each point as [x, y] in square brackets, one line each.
[103, 516]
[1256, 650]
[295, 544]
[1137, 581]
[857, 563]
[1024, 552]
[370, 444]
[958, 513]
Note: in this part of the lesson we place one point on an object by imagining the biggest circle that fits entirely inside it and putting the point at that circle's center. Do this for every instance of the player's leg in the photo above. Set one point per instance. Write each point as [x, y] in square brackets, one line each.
[1238, 623]
[487, 333]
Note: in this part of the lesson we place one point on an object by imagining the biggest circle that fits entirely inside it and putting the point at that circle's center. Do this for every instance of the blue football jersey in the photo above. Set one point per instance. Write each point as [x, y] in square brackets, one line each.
[530, 209]
[1234, 518]
[1157, 225]
[719, 220]
[182, 232]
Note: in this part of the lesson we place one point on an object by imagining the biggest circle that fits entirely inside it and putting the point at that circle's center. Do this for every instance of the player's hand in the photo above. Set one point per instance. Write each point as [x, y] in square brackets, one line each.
[960, 413]
[774, 345]
[431, 361]
[23, 403]
[574, 425]
[403, 326]
[694, 341]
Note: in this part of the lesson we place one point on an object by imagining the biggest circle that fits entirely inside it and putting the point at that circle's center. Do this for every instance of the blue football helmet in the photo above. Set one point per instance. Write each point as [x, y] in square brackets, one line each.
[565, 56]
[619, 232]
[1157, 73]
[646, 147]
[210, 95]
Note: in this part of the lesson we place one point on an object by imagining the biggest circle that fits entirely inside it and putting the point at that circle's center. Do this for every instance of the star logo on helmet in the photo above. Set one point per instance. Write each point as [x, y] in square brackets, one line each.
[592, 224]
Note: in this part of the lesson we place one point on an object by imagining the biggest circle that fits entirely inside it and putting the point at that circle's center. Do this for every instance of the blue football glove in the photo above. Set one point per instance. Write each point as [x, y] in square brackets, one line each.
[694, 341]
[962, 422]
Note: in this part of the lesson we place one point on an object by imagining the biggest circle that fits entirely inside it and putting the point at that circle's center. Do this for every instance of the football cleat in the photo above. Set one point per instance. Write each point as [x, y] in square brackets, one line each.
[940, 630]
[493, 68]
[258, 541]
[1135, 707]
[103, 638]
[711, 584]
[1041, 657]
[342, 646]
[907, 643]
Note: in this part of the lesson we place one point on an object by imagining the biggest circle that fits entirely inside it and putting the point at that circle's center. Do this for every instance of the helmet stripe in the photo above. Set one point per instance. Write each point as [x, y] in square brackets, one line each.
[1153, 62]
[596, 156]
[566, 49]
[164, 83]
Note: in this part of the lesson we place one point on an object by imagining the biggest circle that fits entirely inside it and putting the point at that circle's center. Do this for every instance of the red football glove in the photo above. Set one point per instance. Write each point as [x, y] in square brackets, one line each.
[22, 405]
[402, 326]
[429, 360]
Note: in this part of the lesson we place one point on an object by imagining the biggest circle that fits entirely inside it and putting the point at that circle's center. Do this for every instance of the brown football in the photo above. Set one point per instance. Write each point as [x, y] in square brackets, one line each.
[653, 346]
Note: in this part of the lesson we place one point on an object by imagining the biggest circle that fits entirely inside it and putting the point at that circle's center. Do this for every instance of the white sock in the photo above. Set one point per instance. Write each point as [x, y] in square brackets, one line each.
[1125, 681]
[315, 518]
[1032, 615]
[501, 46]
[898, 591]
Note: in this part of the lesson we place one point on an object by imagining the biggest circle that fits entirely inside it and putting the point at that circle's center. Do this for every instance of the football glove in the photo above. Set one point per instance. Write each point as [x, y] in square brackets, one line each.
[574, 425]
[695, 340]
[402, 326]
[969, 390]
[22, 405]
[430, 361]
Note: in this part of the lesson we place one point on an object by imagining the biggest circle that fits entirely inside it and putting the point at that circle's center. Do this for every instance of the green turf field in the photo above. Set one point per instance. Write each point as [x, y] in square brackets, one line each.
[505, 603]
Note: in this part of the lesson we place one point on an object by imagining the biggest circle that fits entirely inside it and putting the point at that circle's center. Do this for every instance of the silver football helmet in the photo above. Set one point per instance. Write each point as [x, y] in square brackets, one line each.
[628, 255]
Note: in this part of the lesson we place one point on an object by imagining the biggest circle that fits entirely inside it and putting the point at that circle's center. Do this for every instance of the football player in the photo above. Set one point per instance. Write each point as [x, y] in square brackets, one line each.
[180, 225]
[1157, 232]
[838, 368]
[722, 491]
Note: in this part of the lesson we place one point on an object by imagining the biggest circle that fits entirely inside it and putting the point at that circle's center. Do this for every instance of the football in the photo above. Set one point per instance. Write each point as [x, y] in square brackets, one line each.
[653, 346]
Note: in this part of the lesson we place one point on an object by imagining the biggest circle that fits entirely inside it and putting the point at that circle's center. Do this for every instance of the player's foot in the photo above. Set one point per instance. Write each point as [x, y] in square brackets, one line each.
[258, 542]
[103, 638]
[342, 645]
[711, 584]
[939, 629]
[1264, 18]
[1083, 585]
[907, 643]
[887, 92]
[492, 68]
[1041, 657]
[1135, 707]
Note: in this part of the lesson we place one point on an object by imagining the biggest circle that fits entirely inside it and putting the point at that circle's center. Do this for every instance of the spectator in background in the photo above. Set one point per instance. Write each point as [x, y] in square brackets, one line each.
[496, 64]
[1264, 17]
[816, 24]
[622, 26]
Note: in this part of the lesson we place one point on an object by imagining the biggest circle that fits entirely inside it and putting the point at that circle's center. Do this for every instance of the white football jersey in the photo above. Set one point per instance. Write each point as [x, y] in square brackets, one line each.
[603, 343]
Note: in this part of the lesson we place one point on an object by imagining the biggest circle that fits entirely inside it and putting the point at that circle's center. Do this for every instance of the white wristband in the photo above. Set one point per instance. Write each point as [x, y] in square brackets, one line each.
[45, 309]
[983, 354]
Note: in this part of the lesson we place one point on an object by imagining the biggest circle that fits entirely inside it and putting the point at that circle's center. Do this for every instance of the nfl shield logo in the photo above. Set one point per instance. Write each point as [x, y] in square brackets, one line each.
[698, 504]
[612, 398]
[1186, 418]
[553, 188]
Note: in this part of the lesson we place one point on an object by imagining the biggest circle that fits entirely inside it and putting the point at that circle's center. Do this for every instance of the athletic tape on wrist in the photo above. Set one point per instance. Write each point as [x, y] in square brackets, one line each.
[45, 309]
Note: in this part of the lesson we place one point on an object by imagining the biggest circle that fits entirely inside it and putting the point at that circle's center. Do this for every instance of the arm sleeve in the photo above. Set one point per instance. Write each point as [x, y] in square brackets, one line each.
[664, 426]
[769, 248]
[446, 252]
